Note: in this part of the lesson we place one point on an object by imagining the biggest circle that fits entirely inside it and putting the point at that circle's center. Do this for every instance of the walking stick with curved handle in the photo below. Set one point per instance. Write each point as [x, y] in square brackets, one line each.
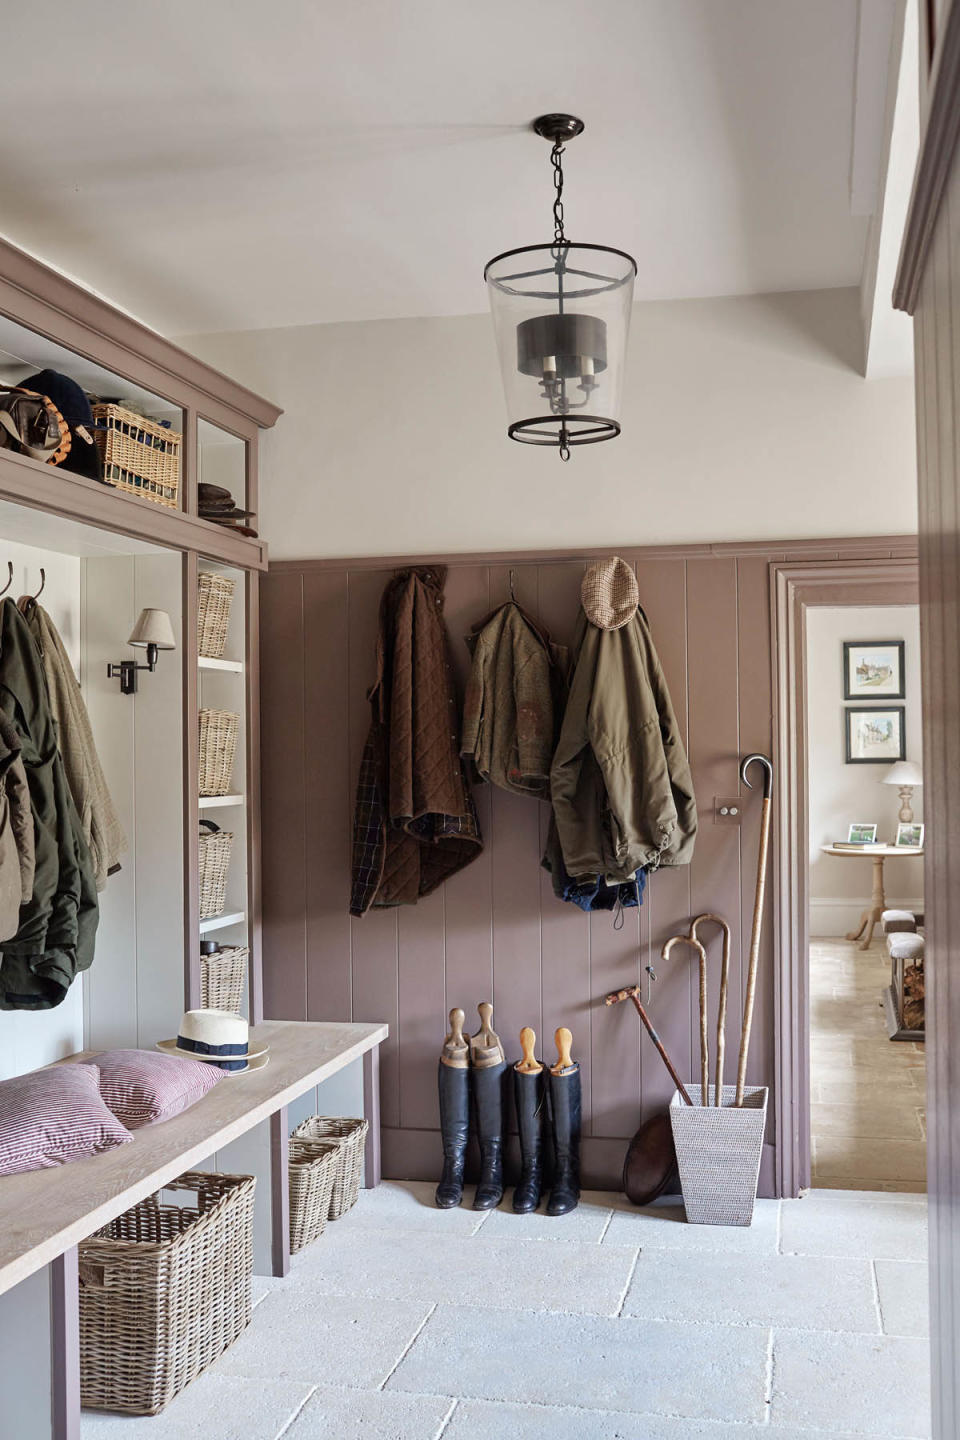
[722, 1002]
[757, 913]
[704, 1043]
[632, 992]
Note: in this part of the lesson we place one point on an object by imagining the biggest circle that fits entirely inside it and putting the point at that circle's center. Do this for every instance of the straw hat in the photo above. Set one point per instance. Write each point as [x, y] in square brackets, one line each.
[609, 594]
[218, 1037]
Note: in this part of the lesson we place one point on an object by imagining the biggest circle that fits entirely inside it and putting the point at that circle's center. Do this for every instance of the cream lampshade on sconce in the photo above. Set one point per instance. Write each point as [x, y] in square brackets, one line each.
[153, 632]
[906, 776]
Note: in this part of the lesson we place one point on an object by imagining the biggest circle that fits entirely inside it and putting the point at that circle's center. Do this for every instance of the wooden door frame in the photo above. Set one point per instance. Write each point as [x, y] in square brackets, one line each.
[794, 588]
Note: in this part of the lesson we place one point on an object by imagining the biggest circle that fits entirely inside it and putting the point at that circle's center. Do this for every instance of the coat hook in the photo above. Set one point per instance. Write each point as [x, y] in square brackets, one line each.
[9, 578]
[513, 593]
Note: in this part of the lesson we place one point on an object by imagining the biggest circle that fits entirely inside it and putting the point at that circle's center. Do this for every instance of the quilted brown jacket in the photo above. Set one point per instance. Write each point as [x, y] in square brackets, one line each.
[415, 823]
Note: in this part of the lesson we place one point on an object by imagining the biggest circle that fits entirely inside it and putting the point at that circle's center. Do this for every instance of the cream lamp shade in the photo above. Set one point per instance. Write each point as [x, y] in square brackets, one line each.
[905, 775]
[153, 628]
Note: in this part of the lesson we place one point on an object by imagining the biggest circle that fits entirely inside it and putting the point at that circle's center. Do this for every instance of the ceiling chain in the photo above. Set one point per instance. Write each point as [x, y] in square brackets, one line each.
[556, 160]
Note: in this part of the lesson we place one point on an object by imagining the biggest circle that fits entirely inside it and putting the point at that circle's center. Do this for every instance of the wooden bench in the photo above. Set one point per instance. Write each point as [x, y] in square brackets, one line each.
[44, 1214]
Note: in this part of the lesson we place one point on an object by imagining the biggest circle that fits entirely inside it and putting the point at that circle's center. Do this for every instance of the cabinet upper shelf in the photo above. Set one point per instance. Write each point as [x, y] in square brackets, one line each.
[232, 667]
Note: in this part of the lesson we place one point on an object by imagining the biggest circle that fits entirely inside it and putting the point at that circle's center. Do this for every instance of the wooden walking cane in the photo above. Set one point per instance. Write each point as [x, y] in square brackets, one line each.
[722, 1002]
[757, 914]
[632, 992]
[704, 1042]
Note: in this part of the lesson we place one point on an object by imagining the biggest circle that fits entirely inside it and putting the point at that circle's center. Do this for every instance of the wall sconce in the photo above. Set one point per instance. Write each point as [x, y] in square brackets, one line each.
[152, 632]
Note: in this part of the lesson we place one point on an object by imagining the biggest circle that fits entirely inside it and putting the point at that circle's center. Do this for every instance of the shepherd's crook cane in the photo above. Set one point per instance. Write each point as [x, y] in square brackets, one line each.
[722, 1002]
[704, 1056]
[757, 914]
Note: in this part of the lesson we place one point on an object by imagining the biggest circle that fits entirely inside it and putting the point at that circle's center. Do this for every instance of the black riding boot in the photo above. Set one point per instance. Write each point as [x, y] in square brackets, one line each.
[529, 1091]
[565, 1107]
[488, 1091]
[454, 1086]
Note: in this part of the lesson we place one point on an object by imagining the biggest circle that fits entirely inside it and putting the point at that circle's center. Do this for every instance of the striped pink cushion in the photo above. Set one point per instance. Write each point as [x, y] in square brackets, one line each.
[50, 1117]
[142, 1087]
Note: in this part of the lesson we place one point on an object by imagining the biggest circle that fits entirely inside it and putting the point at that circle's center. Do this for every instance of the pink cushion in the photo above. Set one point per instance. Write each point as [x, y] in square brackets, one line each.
[50, 1117]
[142, 1087]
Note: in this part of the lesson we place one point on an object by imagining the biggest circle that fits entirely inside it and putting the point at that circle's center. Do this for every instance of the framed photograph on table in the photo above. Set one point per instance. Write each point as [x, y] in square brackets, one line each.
[873, 668]
[910, 835]
[876, 736]
[862, 835]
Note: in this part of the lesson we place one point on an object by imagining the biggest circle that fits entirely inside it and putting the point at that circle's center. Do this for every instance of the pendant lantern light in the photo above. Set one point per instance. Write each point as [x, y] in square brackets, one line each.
[561, 313]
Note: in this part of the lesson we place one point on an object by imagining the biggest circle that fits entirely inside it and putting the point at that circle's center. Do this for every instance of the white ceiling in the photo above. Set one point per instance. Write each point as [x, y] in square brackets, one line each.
[234, 164]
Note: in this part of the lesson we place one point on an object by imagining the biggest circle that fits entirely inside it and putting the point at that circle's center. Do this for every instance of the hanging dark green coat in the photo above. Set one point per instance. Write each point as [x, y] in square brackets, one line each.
[58, 924]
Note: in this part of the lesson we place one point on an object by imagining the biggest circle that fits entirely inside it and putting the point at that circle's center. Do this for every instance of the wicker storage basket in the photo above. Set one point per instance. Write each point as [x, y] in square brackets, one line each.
[218, 746]
[164, 1290]
[349, 1136]
[718, 1154]
[222, 975]
[138, 455]
[214, 601]
[314, 1165]
[215, 848]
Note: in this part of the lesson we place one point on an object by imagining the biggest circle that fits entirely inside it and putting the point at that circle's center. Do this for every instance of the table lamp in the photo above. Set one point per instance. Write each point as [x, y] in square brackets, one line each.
[905, 775]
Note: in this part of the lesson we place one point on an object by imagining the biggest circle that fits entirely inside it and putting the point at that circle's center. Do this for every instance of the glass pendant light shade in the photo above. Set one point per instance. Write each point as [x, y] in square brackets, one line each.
[561, 314]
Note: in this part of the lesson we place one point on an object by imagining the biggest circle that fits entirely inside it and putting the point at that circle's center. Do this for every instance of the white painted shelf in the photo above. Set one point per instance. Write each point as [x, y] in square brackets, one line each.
[215, 802]
[232, 667]
[220, 922]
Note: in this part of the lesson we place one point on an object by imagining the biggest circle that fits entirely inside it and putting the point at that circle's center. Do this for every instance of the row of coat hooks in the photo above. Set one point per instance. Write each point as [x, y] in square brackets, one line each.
[30, 599]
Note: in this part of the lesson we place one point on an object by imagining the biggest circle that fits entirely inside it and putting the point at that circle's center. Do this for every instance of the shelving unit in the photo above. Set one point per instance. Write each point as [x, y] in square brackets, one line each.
[217, 802]
[223, 922]
[230, 667]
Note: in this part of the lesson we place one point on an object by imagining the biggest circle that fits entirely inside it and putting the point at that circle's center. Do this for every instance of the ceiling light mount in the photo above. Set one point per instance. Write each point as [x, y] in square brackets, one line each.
[561, 313]
[558, 128]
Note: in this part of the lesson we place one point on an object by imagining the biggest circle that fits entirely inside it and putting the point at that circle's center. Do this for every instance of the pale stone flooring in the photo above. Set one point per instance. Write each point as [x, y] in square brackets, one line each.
[404, 1322]
[867, 1115]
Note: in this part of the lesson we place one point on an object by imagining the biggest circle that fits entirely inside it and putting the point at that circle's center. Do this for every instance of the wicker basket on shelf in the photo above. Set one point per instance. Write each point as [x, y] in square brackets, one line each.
[218, 747]
[214, 601]
[222, 973]
[164, 1290]
[349, 1136]
[215, 848]
[139, 455]
[314, 1166]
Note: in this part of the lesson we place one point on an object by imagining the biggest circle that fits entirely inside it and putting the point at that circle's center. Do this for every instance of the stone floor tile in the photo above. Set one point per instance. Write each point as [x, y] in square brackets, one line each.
[340, 1414]
[904, 1289]
[519, 1274]
[586, 1223]
[493, 1420]
[877, 1227]
[641, 1366]
[770, 1290]
[408, 1205]
[868, 1384]
[214, 1407]
[300, 1334]
[663, 1226]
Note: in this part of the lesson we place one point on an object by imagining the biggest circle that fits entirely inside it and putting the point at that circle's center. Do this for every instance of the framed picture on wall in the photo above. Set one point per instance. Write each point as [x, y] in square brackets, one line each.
[876, 736]
[873, 668]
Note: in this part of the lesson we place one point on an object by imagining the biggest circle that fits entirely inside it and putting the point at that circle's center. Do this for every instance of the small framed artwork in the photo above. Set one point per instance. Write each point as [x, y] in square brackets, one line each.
[910, 835]
[872, 668]
[862, 835]
[876, 736]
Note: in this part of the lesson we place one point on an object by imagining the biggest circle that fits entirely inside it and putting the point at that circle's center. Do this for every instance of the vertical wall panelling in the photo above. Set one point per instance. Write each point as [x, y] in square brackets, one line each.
[496, 930]
[251, 585]
[374, 937]
[191, 768]
[282, 722]
[327, 795]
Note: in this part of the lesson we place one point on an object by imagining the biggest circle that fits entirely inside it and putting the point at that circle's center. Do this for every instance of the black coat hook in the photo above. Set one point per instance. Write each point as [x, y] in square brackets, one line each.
[9, 578]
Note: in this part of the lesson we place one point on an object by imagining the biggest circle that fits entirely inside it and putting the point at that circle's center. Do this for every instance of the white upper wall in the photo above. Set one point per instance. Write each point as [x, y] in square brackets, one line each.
[744, 419]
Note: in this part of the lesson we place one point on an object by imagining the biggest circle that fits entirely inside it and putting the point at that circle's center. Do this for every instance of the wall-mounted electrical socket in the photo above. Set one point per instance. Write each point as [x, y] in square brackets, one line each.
[727, 812]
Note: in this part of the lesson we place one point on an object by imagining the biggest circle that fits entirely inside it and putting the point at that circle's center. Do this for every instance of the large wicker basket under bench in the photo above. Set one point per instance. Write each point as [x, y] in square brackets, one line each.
[46, 1213]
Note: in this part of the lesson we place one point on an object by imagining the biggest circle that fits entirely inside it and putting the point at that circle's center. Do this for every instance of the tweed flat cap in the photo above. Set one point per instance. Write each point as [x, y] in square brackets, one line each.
[609, 594]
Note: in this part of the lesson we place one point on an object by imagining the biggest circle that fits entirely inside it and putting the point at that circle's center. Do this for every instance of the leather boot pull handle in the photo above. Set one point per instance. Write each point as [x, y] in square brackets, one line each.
[565, 1062]
[529, 1064]
[485, 1047]
[456, 1047]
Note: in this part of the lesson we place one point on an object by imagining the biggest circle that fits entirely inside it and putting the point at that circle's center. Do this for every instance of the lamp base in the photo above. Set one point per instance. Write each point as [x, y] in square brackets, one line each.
[906, 809]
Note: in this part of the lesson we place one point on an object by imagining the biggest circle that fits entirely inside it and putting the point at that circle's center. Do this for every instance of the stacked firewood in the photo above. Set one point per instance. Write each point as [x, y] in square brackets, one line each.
[913, 996]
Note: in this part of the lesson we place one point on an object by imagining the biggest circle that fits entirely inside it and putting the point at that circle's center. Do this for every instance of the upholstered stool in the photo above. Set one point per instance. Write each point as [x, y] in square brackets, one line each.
[905, 947]
[898, 921]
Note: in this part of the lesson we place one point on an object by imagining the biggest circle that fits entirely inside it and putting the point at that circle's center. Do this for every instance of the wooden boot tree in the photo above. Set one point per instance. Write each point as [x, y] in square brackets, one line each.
[485, 1046]
[565, 1064]
[528, 1064]
[456, 1047]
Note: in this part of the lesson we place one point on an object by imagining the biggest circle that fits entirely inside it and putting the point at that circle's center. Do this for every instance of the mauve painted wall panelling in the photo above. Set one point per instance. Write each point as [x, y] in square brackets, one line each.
[496, 931]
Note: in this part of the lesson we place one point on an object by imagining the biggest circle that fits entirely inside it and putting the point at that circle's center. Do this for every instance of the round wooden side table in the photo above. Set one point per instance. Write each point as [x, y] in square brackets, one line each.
[871, 918]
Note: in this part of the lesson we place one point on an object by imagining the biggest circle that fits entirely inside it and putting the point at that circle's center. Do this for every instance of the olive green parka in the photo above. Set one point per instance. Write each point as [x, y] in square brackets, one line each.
[620, 782]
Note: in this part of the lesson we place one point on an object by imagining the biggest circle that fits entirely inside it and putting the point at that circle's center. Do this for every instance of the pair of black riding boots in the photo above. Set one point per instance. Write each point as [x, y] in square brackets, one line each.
[544, 1101]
